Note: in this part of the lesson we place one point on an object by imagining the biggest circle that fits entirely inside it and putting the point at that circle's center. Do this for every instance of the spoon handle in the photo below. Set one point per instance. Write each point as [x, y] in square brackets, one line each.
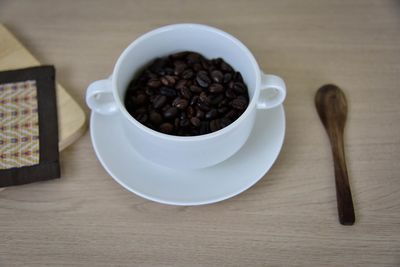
[343, 192]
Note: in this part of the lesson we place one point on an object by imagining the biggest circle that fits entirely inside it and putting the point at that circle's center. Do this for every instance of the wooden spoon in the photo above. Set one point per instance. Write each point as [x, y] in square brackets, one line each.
[332, 109]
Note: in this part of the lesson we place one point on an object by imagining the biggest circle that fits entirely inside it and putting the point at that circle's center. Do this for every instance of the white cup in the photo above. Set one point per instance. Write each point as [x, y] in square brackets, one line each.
[106, 97]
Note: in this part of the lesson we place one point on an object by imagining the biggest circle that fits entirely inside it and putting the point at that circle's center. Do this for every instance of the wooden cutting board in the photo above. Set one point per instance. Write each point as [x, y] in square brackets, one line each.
[71, 118]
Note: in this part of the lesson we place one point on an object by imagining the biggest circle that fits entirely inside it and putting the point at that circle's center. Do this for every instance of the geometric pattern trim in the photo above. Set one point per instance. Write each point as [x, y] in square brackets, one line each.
[19, 125]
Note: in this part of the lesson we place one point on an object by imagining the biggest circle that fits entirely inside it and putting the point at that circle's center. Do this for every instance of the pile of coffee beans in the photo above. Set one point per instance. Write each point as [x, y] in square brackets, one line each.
[186, 94]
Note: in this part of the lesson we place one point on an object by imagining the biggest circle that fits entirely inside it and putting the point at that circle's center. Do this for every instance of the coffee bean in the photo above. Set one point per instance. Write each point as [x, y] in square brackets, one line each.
[223, 110]
[204, 127]
[149, 91]
[239, 88]
[225, 122]
[194, 100]
[190, 111]
[180, 103]
[142, 117]
[226, 67]
[170, 113]
[203, 106]
[211, 114]
[187, 74]
[238, 77]
[193, 58]
[239, 103]
[215, 125]
[184, 123]
[180, 66]
[216, 61]
[195, 121]
[159, 101]
[202, 79]
[216, 88]
[168, 91]
[231, 114]
[199, 113]
[154, 83]
[196, 89]
[197, 67]
[166, 127]
[227, 77]
[155, 117]
[230, 94]
[141, 99]
[216, 99]
[180, 84]
[217, 76]
[204, 98]
[187, 94]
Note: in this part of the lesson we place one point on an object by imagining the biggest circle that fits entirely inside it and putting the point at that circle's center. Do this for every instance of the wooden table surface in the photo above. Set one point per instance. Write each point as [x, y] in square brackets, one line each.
[289, 218]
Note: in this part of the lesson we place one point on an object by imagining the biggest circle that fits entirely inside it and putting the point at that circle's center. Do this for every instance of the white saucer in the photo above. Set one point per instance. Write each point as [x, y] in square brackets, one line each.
[193, 187]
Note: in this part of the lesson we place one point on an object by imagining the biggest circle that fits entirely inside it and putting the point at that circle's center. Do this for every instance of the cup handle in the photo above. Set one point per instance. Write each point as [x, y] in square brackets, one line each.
[272, 93]
[99, 97]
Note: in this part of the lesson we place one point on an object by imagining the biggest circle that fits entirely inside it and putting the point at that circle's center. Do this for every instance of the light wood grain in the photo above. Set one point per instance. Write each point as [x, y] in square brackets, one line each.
[71, 118]
[289, 218]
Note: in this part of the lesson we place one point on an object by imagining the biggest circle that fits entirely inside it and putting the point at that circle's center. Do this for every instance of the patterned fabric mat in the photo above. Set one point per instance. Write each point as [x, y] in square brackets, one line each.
[28, 126]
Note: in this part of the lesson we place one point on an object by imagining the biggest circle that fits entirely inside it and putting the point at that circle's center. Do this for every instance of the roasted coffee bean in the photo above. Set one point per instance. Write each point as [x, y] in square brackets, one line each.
[217, 76]
[202, 78]
[187, 94]
[199, 113]
[149, 91]
[141, 99]
[239, 88]
[187, 74]
[211, 114]
[180, 66]
[225, 122]
[196, 89]
[197, 67]
[166, 127]
[193, 58]
[230, 94]
[231, 114]
[227, 77]
[204, 127]
[215, 125]
[170, 113]
[194, 100]
[216, 88]
[238, 77]
[168, 91]
[203, 106]
[216, 99]
[154, 83]
[226, 67]
[142, 117]
[239, 103]
[155, 117]
[184, 123]
[180, 84]
[191, 112]
[204, 98]
[195, 121]
[223, 110]
[159, 101]
[180, 103]
[216, 61]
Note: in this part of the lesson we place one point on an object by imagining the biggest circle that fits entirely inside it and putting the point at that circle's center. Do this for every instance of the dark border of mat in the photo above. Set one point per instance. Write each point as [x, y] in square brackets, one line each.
[48, 167]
